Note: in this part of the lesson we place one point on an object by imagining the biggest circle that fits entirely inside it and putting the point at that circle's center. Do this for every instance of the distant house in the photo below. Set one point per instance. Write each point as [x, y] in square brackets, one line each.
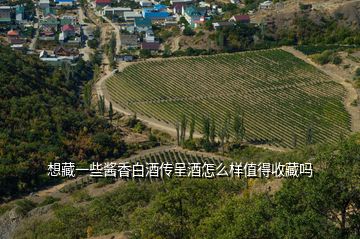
[19, 11]
[115, 11]
[194, 15]
[5, 14]
[266, 5]
[142, 24]
[65, 2]
[126, 58]
[44, 4]
[180, 1]
[55, 60]
[48, 11]
[157, 12]
[131, 16]
[177, 8]
[244, 19]
[62, 51]
[220, 25]
[14, 38]
[49, 21]
[152, 46]
[235, 1]
[102, 3]
[149, 36]
[145, 3]
[128, 41]
[68, 30]
[68, 20]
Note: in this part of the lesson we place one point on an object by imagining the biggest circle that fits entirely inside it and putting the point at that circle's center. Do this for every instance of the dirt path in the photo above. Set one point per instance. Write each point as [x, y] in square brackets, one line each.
[351, 95]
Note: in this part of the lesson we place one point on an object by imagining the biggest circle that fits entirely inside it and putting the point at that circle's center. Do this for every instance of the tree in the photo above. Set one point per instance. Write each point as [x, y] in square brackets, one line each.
[192, 127]
[177, 128]
[309, 136]
[239, 127]
[206, 129]
[101, 105]
[188, 31]
[183, 126]
[111, 112]
[212, 134]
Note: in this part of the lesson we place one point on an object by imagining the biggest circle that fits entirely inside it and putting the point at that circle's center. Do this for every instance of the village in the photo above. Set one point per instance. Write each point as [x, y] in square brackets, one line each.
[66, 30]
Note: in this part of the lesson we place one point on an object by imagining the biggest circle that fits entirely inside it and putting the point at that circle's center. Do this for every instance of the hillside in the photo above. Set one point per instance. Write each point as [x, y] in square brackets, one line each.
[280, 96]
[42, 120]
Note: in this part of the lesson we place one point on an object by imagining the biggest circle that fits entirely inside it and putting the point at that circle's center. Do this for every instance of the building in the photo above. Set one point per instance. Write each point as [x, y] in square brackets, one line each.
[115, 11]
[44, 4]
[149, 36]
[68, 3]
[14, 37]
[142, 24]
[62, 51]
[244, 19]
[49, 11]
[102, 3]
[126, 58]
[265, 5]
[5, 14]
[181, 1]
[220, 25]
[131, 16]
[145, 3]
[55, 60]
[157, 12]
[152, 46]
[19, 13]
[194, 15]
[128, 41]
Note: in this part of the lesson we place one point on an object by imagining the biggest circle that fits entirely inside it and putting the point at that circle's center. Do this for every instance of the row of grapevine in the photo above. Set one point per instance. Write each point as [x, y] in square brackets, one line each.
[281, 95]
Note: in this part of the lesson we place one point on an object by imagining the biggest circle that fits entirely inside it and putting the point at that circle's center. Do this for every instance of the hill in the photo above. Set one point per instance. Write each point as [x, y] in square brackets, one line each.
[281, 97]
[42, 120]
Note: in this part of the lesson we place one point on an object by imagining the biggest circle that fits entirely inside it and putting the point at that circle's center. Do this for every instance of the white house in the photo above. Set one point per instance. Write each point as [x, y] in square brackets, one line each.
[149, 36]
[131, 16]
[145, 3]
[44, 4]
[115, 11]
[265, 5]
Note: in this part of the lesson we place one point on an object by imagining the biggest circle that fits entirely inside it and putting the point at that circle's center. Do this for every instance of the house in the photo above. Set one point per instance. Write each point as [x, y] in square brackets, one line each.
[49, 21]
[115, 11]
[235, 1]
[102, 3]
[220, 25]
[62, 51]
[49, 11]
[177, 8]
[68, 20]
[68, 3]
[68, 30]
[157, 12]
[265, 5]
[152, 46]
[19, 11]
[194, 15]
[128, 41]
[181, 1]
[5, 14]
[149, 36]
[244, 19]
[55, 60]
[131, 16]
[145, 3]
[14, 38]
[44, 4]
[126, 58]
[142, 24]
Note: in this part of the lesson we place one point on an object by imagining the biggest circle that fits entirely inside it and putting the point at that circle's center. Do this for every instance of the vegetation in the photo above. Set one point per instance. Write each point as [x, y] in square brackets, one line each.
[279, 95]
[43, 120]
[325, 206]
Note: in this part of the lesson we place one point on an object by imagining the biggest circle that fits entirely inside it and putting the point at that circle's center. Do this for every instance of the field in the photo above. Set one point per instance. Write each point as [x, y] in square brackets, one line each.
[282, 97]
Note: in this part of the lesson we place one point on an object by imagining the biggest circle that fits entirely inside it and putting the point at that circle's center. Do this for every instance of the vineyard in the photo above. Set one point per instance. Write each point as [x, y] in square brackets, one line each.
[281, 96]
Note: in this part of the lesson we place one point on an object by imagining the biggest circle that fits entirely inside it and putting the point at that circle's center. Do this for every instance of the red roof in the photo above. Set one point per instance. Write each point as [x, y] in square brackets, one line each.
[68, 27]
[103, 1]
[12, 33]
[242, 18]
